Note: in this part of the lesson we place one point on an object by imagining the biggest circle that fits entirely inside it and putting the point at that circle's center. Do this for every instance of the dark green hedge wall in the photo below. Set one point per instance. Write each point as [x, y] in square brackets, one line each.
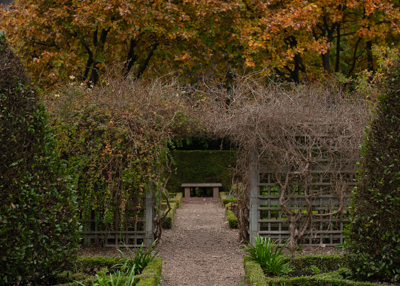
[202, 167]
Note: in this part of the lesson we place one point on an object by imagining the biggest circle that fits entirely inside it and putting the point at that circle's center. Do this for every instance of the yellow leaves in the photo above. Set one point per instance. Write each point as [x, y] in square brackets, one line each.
[183, 58]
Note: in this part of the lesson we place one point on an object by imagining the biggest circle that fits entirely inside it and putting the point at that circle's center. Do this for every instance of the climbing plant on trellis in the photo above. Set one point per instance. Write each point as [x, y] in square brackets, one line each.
[298, 149]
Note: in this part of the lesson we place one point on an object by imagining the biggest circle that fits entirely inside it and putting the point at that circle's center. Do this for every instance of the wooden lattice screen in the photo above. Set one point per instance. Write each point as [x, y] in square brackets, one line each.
[267, 219]
[135, 232]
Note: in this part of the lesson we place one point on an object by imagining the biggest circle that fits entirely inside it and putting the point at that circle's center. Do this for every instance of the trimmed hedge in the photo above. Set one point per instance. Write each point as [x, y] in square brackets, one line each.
[151, 275]
[177, 200]
[255, 275]
[88, 266]
[324, 262]
[175, 204]
[225, 200]
[373, 236]
[39, 228]
[202, 167]
[232, 219]
[169, 219]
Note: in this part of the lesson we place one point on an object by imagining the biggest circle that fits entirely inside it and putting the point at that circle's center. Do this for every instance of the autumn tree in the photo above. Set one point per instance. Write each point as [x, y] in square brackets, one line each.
[306, 39]
[61, 38]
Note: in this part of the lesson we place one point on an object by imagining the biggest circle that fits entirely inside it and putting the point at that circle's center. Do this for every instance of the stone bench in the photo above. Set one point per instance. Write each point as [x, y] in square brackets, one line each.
[215, 187]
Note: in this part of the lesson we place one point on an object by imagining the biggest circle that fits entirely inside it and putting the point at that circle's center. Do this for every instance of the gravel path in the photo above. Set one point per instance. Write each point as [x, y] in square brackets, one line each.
[200, 249]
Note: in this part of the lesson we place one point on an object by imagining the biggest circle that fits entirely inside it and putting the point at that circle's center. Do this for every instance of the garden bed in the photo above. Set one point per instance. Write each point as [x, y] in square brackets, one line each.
[88, 267]
[306, 270]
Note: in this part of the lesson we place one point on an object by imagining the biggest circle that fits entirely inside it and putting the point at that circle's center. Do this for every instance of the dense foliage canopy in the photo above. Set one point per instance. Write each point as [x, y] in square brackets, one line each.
[295, 40]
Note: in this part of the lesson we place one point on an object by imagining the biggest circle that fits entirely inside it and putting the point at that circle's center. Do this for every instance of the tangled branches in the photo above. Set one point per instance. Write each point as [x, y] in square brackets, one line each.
[300, 136]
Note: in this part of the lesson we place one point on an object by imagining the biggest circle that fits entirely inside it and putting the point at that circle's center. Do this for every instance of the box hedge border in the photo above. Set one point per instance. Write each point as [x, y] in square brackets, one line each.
[232, 219]
[225, 200]
[86, 267]
[175, 204]
[256, 277]
[177, 200]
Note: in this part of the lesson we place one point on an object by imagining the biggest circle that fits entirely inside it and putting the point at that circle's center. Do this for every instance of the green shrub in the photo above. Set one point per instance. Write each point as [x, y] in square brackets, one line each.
[255, 275]
[119, 278]
[225, 200]
[151, 275]
[202, 167]
[175, 204]
[324, 262]
[232, 219]
[91, 265]
[178, 199]
[269, 255]
[373, 236]
[138, 260]
[168, 220]
[39, 231]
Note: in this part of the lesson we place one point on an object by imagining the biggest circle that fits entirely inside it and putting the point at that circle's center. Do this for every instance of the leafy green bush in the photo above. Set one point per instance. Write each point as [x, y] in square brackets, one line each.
[226, 200]
[169, 219]
[373, 236]
[39, 231]
[233, 221]
[151, 275]
[119, 278]
[269, 255]
[138, 260]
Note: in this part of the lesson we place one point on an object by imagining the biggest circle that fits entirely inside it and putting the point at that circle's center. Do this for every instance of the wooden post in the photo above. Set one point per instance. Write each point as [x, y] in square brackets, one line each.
[150, 212]
[253, 211]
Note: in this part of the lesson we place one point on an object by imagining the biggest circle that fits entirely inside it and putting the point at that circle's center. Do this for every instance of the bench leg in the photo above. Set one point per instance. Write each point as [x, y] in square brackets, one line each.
[216, 193]
[187, 192]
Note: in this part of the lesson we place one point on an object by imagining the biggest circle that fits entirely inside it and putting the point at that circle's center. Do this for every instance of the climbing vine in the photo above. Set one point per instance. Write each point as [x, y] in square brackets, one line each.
[115, 139]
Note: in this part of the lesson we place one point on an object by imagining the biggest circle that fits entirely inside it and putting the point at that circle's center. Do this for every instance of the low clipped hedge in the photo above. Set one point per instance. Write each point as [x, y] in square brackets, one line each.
[256, 277]
[225, 200]
[175, 204]
[178, 199]
[232, 219]
[151, 275]
[324, 262]
[87, 267]
[169, 219]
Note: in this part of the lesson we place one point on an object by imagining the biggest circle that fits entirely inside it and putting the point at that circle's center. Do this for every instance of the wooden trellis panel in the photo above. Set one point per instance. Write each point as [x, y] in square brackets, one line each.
[136, 231]
[267, 219]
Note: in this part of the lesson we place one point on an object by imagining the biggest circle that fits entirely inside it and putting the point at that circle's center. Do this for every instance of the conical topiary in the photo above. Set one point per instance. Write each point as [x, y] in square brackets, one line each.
[39, 231]
[373, 236]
